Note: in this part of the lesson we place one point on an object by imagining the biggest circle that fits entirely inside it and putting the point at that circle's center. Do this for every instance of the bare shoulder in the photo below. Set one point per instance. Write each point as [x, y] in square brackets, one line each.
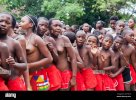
[132, 47]
[37, 38]
[111, 52]
[14, 42]
[66, 39]
[51, 39]
[21, 38]
[75, 49]
[2, 44]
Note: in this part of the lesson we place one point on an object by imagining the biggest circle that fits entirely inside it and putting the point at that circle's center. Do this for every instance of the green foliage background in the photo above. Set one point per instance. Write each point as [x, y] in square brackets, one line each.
[70, 11]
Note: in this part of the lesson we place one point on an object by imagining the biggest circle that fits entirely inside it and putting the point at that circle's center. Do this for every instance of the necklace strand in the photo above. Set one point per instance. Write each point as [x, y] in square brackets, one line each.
[28, 40]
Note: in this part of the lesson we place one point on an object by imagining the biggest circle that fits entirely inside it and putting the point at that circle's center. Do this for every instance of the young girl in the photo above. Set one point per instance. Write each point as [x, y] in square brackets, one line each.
[38, 55]
[65, 50]
[52, 71]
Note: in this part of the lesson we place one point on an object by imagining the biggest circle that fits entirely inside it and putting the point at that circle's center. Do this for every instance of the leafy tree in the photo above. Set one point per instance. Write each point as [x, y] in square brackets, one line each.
[23, 7]
[68, 10]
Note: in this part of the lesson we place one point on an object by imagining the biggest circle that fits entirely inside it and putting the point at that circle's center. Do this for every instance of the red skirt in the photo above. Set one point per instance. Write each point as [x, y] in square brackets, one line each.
[80, 86]
[3, 86]
[133, 74]
[89, 78]
[65, 79]
[104, 83]
[17, 84]
[118, 80]
[39, 80]
[54, 77]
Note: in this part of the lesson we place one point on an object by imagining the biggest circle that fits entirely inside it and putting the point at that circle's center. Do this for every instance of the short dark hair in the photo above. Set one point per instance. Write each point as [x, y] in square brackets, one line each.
[118, 36]
[102, 22]
[71, 36]
[126, 31]
[13, 19]
[96, 32]
[90, 27]
[50, 21]
[44, 18]
[119, 22]
[133, 19]
[109, 35]
[94, 36]
[32, 20]
[114, 18]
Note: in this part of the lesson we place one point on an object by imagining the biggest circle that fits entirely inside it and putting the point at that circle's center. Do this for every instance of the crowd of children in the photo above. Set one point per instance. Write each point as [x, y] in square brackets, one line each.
[47, 55]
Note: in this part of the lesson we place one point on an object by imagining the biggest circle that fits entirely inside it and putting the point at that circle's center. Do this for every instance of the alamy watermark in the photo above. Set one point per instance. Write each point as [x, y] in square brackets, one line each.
[127, 95]
[10, 95]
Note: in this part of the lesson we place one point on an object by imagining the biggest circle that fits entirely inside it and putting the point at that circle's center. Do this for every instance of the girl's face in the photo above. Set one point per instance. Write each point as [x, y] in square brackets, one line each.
[56, 28]
[25, 23]
[42, 26]
[86, 27]
[80, 39]
[98, 24]
[130, 37]
[113, 24]
[120, 27]
[5, 23]
[92, 41]
[16, 28]
[118, 43]
[100, 37]
[131, 23]
[107, 42]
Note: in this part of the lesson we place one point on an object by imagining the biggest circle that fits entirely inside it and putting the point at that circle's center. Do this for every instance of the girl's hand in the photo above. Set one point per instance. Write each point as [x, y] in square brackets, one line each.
[11, 61]
[73, 81]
